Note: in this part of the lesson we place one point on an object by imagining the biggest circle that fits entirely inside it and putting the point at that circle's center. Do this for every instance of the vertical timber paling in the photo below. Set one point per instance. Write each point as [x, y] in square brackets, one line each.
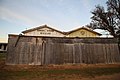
[52, 50]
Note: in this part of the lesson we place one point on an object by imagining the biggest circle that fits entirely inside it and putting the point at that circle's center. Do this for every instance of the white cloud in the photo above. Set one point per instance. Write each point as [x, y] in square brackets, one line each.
[12, 16]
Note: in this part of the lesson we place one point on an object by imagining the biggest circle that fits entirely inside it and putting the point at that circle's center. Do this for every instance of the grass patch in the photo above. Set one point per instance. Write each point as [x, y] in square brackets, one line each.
[2, 56]
[85, 71]
[57, 74]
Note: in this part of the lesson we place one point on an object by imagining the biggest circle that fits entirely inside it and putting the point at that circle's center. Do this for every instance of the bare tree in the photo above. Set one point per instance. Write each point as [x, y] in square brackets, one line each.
[108, 20]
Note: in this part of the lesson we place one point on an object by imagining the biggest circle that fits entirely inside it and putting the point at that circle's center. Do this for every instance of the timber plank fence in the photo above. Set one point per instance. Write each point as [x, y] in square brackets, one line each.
[34, 50]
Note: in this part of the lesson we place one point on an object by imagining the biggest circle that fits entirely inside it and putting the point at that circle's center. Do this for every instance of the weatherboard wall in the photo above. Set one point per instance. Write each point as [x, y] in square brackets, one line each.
[44, 32]
[82, 33]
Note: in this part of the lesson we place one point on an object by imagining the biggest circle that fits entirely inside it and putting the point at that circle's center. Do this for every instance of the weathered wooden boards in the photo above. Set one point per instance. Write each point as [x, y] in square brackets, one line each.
[33, 50]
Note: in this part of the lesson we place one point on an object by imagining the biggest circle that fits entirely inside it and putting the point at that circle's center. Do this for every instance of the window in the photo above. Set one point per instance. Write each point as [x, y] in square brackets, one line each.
[5, 47]
[0, 46]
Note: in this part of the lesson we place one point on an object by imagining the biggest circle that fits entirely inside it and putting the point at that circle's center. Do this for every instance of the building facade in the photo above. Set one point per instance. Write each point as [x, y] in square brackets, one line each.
[83, 32]
[43, 31]
[3, 47]
[51, 32]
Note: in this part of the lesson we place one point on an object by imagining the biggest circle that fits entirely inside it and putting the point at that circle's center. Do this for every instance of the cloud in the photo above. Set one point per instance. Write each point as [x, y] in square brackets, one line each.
[18, 18]
[12, 16]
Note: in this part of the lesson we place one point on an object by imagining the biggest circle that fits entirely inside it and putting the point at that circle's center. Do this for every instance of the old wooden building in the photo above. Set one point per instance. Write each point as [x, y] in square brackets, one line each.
[3, 47]
[51, 32]
[44, 45]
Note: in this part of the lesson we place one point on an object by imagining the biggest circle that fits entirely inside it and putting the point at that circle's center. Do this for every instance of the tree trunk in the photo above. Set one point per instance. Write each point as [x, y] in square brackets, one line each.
[119, 43]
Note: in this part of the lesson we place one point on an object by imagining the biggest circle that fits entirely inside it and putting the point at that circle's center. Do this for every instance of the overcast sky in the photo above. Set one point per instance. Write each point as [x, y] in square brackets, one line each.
[64, 15]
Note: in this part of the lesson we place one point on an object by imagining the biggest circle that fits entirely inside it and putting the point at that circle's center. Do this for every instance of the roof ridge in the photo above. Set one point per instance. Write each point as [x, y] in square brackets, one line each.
[83, 27]
[42, 26]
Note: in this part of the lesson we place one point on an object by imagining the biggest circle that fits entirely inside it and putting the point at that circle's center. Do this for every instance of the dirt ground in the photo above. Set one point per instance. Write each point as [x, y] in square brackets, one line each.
[104, 77]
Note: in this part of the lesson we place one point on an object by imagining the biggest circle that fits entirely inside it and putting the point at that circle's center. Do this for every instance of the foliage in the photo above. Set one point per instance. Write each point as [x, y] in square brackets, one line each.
[2, 56]
[107, 19]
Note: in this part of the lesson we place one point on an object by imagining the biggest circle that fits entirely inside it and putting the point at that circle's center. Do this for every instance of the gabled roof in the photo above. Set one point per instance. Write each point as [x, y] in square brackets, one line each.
[40, 27]
[85, 28]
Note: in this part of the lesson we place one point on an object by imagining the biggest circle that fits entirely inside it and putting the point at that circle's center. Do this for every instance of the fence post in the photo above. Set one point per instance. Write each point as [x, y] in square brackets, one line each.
[43, 51]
